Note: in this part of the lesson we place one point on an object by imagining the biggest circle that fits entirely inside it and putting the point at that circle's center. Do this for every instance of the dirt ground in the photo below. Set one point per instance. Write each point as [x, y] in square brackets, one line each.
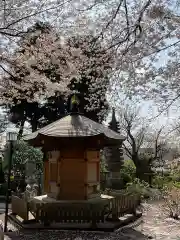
[154, 224]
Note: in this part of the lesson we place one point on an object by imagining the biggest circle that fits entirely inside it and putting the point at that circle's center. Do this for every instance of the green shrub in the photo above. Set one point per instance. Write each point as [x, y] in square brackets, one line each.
[128, 172]
[139, 187]
[160, 181]
[177, 185]
[175, 176]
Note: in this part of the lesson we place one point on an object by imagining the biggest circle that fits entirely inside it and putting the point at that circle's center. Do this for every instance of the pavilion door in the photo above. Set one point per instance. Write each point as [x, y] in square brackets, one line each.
[53, 172]
[72, 174]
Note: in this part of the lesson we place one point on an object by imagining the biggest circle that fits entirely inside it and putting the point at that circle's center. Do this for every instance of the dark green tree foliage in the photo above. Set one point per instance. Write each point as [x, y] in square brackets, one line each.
[92, 107]
[25, 111]
[22, 155]
[54, 109]
[127, 172]
[22, 110]
[93, 102]
[26, 161]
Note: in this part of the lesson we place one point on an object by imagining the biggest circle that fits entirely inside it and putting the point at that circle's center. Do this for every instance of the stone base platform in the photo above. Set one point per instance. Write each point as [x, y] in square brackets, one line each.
[107, 226]
[102, 213]
[47, 234]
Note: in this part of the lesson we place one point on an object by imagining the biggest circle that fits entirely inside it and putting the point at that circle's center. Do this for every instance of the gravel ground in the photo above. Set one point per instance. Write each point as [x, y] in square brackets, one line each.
[70, 235]
[156, 225]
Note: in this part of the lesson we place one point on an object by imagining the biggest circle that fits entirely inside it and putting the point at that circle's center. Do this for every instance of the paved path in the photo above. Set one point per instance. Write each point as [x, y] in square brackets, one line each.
[2, 207]
[157, 224]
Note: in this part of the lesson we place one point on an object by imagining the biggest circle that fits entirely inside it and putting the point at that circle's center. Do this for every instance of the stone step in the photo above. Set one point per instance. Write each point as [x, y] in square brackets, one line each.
[126, 217]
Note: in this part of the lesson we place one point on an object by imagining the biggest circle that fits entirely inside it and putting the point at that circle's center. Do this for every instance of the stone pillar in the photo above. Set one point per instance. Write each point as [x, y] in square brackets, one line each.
[114, 156]
[114, 165]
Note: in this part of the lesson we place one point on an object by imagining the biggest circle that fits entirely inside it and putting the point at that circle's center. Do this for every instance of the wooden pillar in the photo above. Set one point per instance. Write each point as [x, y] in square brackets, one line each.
[46, 177]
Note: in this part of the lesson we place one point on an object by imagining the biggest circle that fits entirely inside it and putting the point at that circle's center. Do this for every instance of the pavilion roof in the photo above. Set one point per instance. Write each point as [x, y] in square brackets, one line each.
[72, 126]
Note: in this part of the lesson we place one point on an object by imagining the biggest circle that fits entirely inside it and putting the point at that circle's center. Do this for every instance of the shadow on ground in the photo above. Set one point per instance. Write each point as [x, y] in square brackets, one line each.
[125, 234]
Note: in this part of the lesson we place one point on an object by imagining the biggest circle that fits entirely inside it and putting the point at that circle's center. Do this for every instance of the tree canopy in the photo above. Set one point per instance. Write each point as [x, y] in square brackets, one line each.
[44, 71]
[139, 32]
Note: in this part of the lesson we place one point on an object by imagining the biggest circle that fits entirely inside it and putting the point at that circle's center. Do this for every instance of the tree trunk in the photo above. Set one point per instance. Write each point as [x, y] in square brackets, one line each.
[34, 124]
[21, 129]
[150, 180]
[139, 173]
[144, 173]
[139, 169]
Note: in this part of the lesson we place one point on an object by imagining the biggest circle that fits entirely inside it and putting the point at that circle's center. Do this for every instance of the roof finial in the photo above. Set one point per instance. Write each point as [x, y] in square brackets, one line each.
[74, 104]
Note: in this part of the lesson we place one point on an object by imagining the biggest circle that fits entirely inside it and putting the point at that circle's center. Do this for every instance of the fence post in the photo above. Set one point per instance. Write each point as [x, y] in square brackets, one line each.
[93, 223]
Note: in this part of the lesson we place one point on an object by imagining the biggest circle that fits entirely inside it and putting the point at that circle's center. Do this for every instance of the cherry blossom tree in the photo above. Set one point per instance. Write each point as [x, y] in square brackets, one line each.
[17, 15]
[149, 64]
[145, 143]
[30, 60]
[28, 81]
[144, 35]
[95, 73]
[47, 68]
[135, 129]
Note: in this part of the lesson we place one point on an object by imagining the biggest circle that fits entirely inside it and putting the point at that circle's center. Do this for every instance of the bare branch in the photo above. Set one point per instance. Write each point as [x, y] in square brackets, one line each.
[128, 152]
[167, 107]
[157, 146]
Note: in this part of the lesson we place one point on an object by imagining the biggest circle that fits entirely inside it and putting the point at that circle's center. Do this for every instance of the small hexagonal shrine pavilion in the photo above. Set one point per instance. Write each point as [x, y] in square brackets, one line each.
[72, 156]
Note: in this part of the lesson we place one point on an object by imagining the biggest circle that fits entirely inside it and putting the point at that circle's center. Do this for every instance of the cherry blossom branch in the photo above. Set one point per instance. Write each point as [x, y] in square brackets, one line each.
[127, 16]
[5, 70]
[114, 15]
[2, 29]
[156, 142]
[136, 29]
[157, 51]
[101, 34]
[128, 152]
[88, 8]
[18, 34]
[166, 108]
[164, 48]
